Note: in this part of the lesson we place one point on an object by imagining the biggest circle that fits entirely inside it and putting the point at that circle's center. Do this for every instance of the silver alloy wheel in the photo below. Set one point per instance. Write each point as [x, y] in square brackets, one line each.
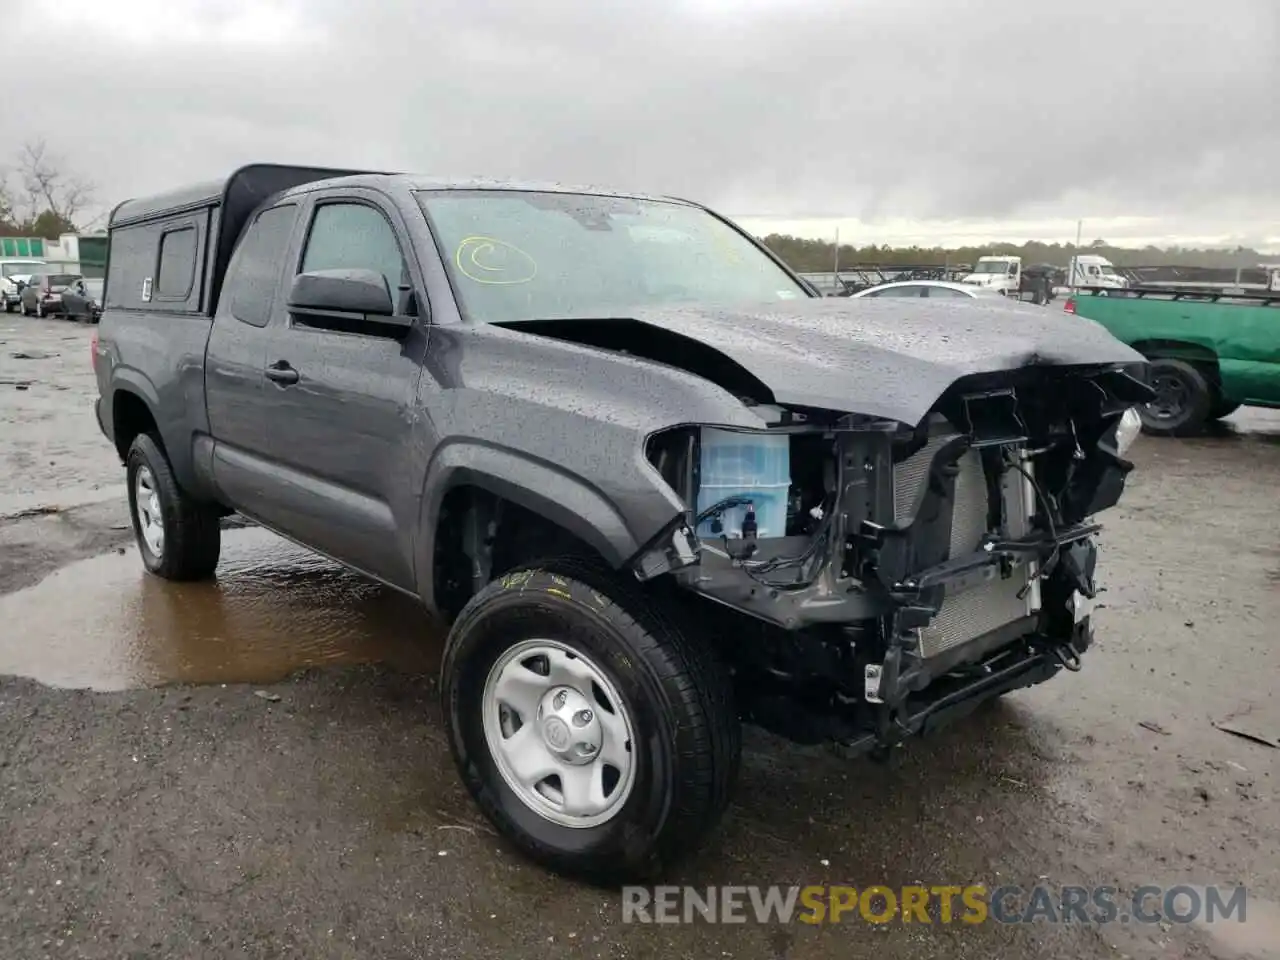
[147, 504]
[559, 733]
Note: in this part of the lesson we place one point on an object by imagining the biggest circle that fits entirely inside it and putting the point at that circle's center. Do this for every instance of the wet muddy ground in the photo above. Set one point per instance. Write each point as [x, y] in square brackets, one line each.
[255, 767]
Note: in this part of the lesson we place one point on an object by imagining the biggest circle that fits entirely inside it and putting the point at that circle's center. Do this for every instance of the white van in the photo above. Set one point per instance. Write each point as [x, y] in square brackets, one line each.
[11, 272]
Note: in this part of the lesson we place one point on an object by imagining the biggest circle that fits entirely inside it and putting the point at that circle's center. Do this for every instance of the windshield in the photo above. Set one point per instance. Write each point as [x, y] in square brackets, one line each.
[532, 255]
[60, 281]
[992, 266]
[19, 269]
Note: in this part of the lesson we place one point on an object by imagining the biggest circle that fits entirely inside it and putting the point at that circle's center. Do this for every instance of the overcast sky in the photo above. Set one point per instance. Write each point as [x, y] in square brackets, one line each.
[896, 120]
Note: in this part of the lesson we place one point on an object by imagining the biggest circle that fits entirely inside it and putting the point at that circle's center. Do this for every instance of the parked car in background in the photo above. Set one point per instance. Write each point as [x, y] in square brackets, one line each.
[927, 288]
[13, 276]
[83, 300]
[42, 295]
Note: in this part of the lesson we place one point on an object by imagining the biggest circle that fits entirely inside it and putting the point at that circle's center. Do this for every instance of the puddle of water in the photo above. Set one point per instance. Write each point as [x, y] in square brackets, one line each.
[65, 499]
[274, 608]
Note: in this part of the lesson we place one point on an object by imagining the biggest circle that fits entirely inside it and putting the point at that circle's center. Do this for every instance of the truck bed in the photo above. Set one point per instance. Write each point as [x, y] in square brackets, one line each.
[1240, 333]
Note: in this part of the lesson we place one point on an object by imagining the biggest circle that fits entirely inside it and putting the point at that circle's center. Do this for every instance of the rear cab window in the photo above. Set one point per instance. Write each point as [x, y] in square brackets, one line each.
[253, 276]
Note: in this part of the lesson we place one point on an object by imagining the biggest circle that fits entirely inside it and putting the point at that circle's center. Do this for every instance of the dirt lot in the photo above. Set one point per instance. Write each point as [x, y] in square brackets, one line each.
[255, 767]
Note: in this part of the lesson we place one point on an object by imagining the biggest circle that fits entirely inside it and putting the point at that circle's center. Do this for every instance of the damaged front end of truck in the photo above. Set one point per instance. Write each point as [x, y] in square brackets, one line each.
[885, 577]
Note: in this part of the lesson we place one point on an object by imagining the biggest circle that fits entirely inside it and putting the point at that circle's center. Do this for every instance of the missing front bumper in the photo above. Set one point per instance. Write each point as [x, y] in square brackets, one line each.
[933, 694]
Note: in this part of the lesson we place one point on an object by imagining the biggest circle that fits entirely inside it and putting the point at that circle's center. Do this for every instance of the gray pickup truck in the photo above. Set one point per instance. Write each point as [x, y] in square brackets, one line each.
[654, 483]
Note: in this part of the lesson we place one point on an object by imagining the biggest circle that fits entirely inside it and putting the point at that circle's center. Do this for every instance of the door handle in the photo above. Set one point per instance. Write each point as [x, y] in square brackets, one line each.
[280, 372]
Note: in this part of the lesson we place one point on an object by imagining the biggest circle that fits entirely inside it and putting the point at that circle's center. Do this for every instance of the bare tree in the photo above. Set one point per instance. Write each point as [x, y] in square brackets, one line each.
[48, 186]
[7, 211]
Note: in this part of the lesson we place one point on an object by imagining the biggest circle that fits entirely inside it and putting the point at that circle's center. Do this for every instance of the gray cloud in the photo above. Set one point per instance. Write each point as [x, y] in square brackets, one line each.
[800, 108]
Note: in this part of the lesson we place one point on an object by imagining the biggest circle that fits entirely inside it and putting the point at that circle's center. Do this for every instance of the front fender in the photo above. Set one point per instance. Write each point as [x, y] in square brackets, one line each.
[538, 486]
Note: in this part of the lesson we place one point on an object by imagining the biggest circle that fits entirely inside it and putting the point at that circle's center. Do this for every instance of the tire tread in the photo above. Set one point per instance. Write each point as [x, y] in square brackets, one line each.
[707, 734]
[193, 537]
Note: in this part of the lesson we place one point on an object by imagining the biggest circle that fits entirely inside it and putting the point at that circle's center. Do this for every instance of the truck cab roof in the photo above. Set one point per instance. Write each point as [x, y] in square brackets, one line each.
[219, 210]
[250, 185]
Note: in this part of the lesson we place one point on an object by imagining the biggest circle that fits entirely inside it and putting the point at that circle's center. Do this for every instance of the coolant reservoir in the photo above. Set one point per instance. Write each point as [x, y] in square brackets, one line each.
[751, 466]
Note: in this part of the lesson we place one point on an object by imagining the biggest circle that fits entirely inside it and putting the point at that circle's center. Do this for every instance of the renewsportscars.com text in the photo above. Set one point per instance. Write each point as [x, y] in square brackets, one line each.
[941, 904]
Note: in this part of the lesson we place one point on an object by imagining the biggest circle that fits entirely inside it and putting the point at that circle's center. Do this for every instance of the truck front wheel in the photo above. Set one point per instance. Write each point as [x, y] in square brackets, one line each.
[1183, 401]
[594, 734]
[178, 537]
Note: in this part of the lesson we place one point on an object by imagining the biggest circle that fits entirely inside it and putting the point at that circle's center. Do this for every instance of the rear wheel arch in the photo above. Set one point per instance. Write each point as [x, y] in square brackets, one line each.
[131, 415]
[1202, 357]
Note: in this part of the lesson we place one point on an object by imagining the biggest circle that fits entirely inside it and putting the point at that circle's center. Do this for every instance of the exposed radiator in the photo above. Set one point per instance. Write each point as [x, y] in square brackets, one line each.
[993, 603]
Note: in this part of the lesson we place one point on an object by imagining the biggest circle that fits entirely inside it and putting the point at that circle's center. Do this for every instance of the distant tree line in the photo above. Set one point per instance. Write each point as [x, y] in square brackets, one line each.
[815, 256]
[39, 196]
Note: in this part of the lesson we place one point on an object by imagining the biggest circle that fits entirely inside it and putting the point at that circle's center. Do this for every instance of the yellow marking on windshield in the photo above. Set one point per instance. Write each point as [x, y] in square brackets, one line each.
[472, 253]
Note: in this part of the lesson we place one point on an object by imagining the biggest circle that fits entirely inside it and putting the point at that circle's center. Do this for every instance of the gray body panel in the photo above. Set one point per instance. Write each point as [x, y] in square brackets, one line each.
[356, 457]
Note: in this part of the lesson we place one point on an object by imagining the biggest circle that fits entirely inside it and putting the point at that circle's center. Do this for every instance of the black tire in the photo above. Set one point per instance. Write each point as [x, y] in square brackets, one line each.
[675, 689]
[1183, 402]
[1222, 408]
[192, 537]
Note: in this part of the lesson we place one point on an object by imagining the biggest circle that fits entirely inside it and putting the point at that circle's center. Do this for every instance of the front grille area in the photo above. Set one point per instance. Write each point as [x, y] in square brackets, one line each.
[992, 604]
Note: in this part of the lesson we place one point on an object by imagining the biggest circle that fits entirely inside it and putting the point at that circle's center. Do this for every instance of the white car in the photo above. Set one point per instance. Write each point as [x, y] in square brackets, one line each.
[12, 273]
[927, 288]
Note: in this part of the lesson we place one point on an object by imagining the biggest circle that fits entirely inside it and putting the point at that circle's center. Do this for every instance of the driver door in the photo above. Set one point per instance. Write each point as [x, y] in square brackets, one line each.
[341, 404]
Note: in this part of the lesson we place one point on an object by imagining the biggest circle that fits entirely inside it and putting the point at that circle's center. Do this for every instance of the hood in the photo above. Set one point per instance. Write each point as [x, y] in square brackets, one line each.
[884, 358]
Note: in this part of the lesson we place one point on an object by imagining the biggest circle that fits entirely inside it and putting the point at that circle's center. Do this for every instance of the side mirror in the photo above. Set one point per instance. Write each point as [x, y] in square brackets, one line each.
[342, 291]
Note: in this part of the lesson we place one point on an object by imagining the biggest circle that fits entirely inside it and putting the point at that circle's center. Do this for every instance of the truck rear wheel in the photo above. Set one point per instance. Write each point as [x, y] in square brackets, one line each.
[178, 537]
[1183, 399]
[595, 735]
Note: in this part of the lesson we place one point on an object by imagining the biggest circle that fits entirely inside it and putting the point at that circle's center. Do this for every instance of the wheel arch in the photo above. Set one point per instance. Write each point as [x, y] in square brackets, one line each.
[542, 504]
[133, 406]
[1188, 351]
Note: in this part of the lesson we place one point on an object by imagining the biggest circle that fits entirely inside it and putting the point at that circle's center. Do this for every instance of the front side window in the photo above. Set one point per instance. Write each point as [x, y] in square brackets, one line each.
[352, 236]
[519, 255]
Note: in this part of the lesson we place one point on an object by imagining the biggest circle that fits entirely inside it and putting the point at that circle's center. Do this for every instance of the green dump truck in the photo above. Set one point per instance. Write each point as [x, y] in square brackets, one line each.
[1210, 352]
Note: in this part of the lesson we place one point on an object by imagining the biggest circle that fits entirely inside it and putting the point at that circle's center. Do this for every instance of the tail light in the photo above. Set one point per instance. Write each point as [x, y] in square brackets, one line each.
[1070, 305]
